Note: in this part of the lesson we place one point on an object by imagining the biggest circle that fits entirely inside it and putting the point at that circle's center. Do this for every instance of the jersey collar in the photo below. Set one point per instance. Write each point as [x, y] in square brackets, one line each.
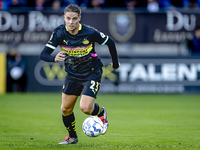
[80, 27]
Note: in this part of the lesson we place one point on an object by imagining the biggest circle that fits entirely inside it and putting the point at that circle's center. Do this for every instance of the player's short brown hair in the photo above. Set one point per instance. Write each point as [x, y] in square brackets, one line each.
[73, 8]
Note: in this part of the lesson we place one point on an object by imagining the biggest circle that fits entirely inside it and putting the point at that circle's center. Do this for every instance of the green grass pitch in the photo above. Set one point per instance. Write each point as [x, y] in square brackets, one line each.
[33, 121]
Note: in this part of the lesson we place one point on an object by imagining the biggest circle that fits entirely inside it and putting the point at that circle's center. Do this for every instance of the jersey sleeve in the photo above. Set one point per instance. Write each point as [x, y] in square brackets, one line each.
[50, 47]
[100, 37]
[54, 39]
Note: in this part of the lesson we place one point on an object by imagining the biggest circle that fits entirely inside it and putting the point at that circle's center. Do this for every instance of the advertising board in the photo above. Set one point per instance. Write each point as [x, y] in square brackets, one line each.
[135, 75]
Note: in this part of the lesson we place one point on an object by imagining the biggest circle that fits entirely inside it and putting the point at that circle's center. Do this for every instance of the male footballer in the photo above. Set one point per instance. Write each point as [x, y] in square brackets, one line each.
[83, 67]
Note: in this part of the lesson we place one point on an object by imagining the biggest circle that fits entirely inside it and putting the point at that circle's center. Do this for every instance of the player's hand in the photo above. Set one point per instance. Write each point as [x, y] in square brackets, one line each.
[115, 68]
[60, 56]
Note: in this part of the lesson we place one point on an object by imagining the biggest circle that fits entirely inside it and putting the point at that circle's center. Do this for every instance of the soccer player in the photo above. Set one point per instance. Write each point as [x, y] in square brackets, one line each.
[83, 67]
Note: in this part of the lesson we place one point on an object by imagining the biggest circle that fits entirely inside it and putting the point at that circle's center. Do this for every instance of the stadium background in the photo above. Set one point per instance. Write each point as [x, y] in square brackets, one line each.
[151, 48]
[154, 59]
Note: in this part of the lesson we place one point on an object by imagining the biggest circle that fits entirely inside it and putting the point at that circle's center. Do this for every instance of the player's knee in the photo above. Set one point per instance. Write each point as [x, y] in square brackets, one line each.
[86, 109]
[66, 111]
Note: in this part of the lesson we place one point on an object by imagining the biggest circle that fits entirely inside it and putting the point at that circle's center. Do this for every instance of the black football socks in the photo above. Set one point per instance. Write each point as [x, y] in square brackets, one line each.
[98, 110]
[69, 122]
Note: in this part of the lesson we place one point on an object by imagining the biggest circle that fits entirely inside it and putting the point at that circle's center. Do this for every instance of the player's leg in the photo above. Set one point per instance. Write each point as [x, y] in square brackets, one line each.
[87, 104]
[71, 91]
[68, 103]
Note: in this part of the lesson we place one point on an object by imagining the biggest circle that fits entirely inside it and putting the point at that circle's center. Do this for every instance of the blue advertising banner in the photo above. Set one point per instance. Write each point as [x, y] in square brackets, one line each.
[135, 75]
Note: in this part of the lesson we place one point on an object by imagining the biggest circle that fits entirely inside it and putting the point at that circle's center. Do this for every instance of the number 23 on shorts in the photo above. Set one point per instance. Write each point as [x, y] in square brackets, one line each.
[94, 86]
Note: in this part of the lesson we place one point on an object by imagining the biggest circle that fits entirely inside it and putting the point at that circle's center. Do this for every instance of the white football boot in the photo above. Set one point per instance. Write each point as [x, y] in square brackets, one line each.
[69, 140]
[105, 121]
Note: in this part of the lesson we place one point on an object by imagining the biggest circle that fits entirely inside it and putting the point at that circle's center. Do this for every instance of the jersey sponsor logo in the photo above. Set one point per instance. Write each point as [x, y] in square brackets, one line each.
[77, 51]
[85, 41]
[122, 25]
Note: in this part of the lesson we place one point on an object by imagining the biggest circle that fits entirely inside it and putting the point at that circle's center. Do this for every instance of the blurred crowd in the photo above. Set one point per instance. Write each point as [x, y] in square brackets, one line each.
[150, 5]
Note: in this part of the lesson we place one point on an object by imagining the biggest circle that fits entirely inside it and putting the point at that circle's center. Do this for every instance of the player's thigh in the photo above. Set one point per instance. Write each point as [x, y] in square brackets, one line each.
[68, 103]
[87, 104]
[72, 87]
[89, 94]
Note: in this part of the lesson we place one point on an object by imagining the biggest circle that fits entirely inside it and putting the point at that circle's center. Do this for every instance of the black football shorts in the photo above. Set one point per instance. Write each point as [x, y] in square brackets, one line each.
[89, 87]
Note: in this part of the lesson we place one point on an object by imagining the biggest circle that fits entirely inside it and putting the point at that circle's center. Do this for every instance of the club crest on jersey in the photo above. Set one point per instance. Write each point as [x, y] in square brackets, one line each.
[122, 25]
[85, 41]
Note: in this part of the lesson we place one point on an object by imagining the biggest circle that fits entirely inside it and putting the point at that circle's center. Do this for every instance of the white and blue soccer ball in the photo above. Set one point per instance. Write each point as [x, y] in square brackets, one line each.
[92, 126]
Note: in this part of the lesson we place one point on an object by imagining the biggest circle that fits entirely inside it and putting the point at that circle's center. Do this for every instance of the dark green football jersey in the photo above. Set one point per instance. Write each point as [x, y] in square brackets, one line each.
[81, 58]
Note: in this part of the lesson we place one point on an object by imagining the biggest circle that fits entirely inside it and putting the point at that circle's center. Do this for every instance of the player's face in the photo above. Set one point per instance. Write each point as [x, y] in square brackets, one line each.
[72, 21]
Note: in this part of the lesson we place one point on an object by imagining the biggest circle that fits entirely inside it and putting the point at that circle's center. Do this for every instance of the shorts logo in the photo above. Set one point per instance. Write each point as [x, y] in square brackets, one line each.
[122, 25]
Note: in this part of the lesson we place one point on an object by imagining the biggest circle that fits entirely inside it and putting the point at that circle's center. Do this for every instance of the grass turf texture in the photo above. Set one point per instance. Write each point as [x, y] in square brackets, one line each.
[33, 121]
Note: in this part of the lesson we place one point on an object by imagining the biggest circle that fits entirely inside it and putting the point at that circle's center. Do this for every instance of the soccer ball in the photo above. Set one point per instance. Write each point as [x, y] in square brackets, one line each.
[92, 126]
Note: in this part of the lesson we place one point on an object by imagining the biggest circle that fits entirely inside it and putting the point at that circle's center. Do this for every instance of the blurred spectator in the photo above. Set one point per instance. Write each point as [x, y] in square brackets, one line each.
[194, 44]
[64, 3]
[171, 4]
[192, 4]
[152, 5]
[15, 3]
[165, 4]
[96, 3]
[131, 4]
[4, 4]
[1, 4]
[16, 78]
[83, 3]
[56, 5]
[37, 4]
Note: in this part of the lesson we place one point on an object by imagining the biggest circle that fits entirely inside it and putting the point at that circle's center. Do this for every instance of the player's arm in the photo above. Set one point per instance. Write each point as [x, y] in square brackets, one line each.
[113, 52]
[46, 55]
[104, 39]
[51, 46]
